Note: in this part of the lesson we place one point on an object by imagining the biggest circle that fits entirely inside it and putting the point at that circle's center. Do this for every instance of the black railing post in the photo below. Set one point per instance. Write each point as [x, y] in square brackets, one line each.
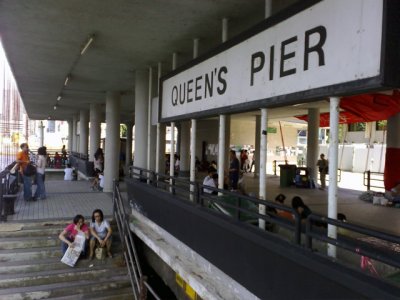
[173, 186]
[308, 233]
[368, 180]
[297, 228]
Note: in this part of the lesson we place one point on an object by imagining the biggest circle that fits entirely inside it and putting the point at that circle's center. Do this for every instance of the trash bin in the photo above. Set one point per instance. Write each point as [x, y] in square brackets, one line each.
[288, 173]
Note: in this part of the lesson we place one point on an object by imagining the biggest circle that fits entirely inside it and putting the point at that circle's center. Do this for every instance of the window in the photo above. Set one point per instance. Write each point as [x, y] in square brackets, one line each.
[357, 127]
[51, 126]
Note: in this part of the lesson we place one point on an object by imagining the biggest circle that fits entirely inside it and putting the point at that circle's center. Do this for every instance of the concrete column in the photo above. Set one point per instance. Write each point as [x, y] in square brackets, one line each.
[172, 158]
[128, 146]
[41, 130]
[312, 141]
[185, 149]
[74, 133]
[392, 162]
[221, 151]
[195, 48]
[333, 166]
[174, 60]
[141, 115]
[224, 30]
[112, 147]
[94, 130]
[83, 131]
[193, 137]
[178, 138]
[227, 140]
[70, 135]
[151, 130]
[161, 131]
[263, 163]
[268, 8]
[257, 145]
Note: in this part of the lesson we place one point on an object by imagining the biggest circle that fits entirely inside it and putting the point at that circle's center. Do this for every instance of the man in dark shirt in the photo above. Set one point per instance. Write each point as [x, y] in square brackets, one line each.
[233, 170]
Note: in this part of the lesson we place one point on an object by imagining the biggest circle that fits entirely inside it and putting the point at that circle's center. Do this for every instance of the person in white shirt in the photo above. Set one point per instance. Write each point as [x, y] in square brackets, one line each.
[101, 232]
[40, 177]
[209, 180]
[101, 181]
[68, 173]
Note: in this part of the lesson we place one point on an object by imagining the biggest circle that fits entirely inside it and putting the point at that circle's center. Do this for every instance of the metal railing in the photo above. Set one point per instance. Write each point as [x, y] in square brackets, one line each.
[354, 245]
[373, 180]
[139, 284]
[241, 206]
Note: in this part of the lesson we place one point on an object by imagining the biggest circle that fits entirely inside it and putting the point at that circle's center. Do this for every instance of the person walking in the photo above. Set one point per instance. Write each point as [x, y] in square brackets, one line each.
[323, 170]
[40, 174]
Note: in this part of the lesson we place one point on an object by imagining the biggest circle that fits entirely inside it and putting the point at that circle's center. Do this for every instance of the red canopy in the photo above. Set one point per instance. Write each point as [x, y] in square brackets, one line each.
[363, 108]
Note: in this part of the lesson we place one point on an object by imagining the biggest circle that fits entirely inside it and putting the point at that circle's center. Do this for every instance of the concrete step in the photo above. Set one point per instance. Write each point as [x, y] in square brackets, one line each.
[29, 242]
[40, 229]
[63, 289]
[37, 242]
[56, 276]
[29, 254]
[53, 263]
[122, 294]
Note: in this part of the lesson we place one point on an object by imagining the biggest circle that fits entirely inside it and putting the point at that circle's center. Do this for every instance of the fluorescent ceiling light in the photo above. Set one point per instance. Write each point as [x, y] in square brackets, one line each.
[66, 80]
[89, 41]
[59, 98]
[55, 107]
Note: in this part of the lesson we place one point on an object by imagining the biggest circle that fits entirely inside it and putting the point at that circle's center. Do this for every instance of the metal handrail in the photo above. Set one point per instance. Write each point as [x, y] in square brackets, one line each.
[138, 280]
[351, 244]
[201, 199]
[194, 189]
[372, 177]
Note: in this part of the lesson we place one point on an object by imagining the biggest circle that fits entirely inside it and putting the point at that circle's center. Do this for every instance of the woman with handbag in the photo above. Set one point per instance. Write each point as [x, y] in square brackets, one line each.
[101, 232]
[40, 176]
[27, 170]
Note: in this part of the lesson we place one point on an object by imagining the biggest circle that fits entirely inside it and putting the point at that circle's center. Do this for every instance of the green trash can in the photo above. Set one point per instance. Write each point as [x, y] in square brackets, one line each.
[288, 174]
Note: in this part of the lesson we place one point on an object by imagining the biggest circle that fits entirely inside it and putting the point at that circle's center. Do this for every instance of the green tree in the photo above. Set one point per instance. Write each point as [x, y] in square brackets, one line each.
[122, 130]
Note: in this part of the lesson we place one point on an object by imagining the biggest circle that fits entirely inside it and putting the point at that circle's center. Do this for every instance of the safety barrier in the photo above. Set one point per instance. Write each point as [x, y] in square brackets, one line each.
[373, 180]
[244, 209]
[139, 284]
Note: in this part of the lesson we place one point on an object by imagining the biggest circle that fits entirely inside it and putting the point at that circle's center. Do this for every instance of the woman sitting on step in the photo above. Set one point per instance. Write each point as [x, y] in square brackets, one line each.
[67, 236]
[101, 232]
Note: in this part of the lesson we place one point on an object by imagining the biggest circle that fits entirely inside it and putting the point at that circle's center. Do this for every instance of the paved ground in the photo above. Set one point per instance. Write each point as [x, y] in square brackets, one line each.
[65, 199]
[351, 186]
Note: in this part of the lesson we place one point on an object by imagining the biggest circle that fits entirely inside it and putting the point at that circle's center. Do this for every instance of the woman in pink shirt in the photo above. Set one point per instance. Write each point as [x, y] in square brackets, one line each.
[67, 236]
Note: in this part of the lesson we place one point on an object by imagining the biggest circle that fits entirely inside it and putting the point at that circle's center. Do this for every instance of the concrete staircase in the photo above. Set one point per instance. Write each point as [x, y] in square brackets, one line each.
[30, 266]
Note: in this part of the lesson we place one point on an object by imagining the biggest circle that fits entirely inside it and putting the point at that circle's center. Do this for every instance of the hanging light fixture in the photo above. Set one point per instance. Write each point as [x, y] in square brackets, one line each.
[88, 42]
[55, 107]
[67, 79]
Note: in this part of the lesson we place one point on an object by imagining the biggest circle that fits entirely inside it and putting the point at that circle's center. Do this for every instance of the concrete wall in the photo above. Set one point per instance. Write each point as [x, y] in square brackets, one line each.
[243, 132]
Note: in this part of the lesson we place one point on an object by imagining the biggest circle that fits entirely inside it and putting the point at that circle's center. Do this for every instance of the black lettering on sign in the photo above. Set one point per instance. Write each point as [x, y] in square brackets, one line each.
[189, 90]
[222, 80]
[174, 96]
[209, 85]
[254, 69]
[286, 56]
[197, 88]
[182, 99]
[321, 31]
[271, 62]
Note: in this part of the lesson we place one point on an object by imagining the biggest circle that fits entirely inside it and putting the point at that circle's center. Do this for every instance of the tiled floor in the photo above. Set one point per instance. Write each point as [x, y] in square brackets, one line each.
[65, 199]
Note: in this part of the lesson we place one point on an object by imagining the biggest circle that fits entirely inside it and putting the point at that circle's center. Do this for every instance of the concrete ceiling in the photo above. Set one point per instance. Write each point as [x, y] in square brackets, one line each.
[43, 39]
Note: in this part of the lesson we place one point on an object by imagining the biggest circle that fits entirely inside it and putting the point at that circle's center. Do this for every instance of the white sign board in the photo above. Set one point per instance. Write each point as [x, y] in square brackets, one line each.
[329, 43]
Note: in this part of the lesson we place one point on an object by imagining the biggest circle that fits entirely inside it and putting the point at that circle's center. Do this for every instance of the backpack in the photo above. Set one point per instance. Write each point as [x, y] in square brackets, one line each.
[29, 170]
